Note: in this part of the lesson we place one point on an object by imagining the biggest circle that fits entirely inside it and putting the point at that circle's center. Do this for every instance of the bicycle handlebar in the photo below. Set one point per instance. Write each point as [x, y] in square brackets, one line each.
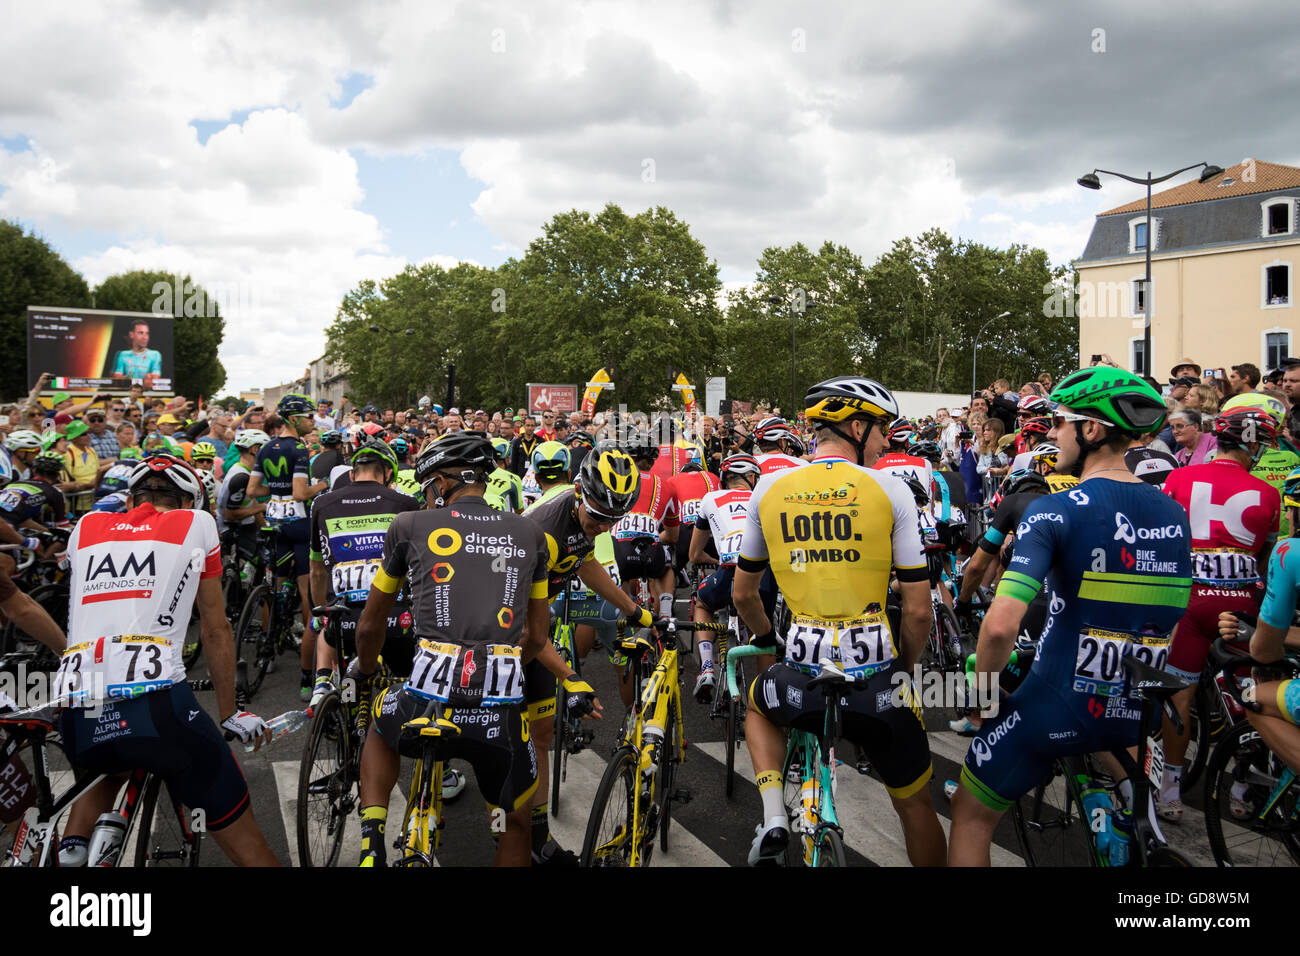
[736, 654]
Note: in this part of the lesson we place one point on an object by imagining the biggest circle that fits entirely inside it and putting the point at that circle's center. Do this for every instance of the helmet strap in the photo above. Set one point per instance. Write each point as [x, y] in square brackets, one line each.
[859, 444]
[1086, 448]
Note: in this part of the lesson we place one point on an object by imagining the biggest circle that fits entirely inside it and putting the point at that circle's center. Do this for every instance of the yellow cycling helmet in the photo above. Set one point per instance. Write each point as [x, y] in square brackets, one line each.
[609, 481]
[1265, 403]
[839, 399]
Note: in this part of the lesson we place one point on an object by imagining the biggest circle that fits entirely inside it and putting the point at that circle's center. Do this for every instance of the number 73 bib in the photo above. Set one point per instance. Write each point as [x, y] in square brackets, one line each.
[861, 647]
[126, 666]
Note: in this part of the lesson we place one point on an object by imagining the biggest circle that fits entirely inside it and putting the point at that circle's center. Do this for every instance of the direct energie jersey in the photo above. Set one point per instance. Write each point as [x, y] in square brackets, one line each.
[567, 545]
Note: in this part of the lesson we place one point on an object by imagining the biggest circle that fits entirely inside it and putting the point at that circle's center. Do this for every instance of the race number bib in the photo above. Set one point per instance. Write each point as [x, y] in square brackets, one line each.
[351, 579]
[434, 670]
[861, 647]
[125, 666]
[1225, 568]
[503, 683]
[1097, 666]
[729, 547]
[284, 509]
[9, 500]
[636, 525]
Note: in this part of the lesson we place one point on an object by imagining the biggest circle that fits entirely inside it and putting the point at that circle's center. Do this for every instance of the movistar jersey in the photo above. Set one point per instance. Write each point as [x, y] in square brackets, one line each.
[277, 463]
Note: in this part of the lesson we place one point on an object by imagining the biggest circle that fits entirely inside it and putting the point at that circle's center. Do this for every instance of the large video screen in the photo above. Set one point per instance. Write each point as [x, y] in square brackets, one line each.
[92, 348]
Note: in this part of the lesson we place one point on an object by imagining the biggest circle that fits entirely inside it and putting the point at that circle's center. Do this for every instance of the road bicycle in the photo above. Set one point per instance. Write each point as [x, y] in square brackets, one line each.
[423, 738]
[570, 737]
[634, 801]
[728, 706]
[265, 628]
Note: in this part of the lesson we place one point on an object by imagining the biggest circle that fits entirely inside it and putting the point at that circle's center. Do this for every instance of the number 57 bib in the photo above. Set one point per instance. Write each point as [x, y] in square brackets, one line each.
[861, 647]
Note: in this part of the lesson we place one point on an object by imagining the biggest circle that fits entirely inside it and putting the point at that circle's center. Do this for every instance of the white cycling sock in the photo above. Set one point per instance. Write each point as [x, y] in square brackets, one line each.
[706, 655]
[666, 604]
[1170, 786]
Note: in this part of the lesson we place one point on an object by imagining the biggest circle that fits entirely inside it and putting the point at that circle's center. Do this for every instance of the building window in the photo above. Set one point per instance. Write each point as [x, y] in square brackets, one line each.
[1278, 217]
[1136, 355]
[1137, 296]
[1138, 233]
[1275, 286]
[1277, 346]
[1140, 236]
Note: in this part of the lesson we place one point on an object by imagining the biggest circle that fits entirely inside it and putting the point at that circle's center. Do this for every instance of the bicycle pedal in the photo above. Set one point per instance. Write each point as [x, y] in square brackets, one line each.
[681, 795]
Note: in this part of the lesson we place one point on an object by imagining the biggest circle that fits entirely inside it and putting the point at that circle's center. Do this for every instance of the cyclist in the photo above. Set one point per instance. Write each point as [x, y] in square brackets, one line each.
[505, 491]
[687, 489]
[830, 532]
[135, 578]
[332, 457]
[1276, 462]
[1114, 554]
[644, 537]
[1033, 432]
[1234, 519]
[36, 504]
[778, 446]
[203, 456]
[114, 480]
[720, 521]
[550, 462]
[281, 469]
[402, 451]
[572, 523]
[22, 446]
[239, 515]
[900, 462]
[478, 580]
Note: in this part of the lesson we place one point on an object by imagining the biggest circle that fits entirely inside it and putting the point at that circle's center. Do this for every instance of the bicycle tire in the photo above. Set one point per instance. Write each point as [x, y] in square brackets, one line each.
[828, 847]
[950, 636]
[325, 786]
[1242, 757]
[164, 840]
[1200, 721]
[609, 837]
[730, 727]
[250, 638]
[1167, 856]
[559, 742]
[667, 775]
[807, 752]
[1050, 822]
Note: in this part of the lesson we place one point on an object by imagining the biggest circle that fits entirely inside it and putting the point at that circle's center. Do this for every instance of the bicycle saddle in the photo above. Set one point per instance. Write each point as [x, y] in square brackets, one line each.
[1149, 680]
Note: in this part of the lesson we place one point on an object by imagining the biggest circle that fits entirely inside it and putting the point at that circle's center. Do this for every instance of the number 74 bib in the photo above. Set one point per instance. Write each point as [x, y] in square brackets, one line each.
[861, 647]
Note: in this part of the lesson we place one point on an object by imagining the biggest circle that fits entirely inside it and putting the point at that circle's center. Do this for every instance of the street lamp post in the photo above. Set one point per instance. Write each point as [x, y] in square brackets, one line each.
[1091, 181]
[794, 388]
[974, 351]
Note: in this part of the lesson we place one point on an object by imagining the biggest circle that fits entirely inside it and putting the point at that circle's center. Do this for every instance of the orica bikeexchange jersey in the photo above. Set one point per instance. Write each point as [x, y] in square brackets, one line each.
[1279, 605]
[1116, 560]
[134, 580]
[277, 463]
[347, 534]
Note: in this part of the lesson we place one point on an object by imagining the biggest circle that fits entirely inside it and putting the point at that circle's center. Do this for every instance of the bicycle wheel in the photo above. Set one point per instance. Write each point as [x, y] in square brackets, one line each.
[949, 633]
[828, 848]
[1204, 720]
[1165, 856]
[251, 639]
[325, 786]
[417, 822]
[1263, 830]
[1050, 823]
[610, 828]
[667, 776]
[559, 743]
[165, 835]
[805, 756]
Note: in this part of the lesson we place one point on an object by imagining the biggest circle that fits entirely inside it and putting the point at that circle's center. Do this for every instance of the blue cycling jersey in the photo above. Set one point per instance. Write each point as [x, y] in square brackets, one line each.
[1278, 608]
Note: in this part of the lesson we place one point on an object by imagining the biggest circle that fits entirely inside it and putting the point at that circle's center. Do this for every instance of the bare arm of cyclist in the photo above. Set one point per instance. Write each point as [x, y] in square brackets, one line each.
[998, 634]
[744, 594]
[30, 617]
[372, 624]
[915, 598]
[320, 591]
[700, 538]
[305, 492]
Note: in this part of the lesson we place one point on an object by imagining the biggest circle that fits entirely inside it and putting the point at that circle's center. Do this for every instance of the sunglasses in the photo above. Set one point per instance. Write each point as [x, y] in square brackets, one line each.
[597, 517]
[1060, 418]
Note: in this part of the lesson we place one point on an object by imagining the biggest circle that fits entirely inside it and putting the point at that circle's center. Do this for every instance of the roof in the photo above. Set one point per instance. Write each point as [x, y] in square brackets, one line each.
[1248, 177]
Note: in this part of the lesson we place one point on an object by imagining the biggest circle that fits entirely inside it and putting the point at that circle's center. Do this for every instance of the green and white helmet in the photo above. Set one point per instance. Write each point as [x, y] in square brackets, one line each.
[1265, 403]
[1115, 396]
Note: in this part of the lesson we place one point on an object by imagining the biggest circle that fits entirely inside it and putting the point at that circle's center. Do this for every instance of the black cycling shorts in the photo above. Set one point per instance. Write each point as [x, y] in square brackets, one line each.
[714, 592]
[293, 539]
[494, 740]
[893, 737]
[399, 638]
[539, 691]
[642, 558]
[244, 538]
[168, 733]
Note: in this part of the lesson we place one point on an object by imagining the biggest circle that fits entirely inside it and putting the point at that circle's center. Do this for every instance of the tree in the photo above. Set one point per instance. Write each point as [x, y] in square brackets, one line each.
[199, 326]
[31, 273]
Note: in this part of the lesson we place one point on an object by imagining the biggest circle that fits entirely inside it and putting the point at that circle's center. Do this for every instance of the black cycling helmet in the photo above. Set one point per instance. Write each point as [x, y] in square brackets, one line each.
[295, 404]
[467, 455]
[582, 439]
[642, 447]
[609, 481]
[372, 449]
[928, 450]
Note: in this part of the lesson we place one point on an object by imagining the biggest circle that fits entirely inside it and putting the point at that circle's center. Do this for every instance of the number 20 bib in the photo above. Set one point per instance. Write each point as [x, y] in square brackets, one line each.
[1097, 666]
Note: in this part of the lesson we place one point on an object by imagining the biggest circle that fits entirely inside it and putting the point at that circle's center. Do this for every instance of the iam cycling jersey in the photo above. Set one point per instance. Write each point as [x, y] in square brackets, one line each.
[567, 545]
[1115, 558]
[134, 580]
[775, 461]
[347, 534]
[724, 515]
[33, 500]
[1233, 517]
[277, 463]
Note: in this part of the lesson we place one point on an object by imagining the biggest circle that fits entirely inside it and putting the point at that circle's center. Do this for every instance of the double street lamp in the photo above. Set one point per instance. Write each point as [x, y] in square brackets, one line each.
[392, 344]
[1091, 181]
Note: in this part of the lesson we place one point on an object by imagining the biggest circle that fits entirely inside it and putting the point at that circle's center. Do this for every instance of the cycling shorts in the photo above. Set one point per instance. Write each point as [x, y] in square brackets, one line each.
[642, 558]
[714, 592]
[539, 691]
[1013, 752]
[493, 740]
[1288, 700]
[293, 539]
[399, 638]
[1200, 626]
[893, 737]
[168, 733]
[599, 614]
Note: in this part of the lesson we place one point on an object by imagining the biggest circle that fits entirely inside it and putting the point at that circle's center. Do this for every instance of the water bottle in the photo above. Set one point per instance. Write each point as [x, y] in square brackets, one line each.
[652, 738]
[246, 573]
[1097, 814]
[1121, 832]
[286, 723]
[106, 841]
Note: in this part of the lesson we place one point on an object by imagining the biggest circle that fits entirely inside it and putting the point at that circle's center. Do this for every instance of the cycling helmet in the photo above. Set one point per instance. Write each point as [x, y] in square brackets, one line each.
[332, 437]
[1243, 426]
[251, 438]
[609, 481]
[1023, 479]
[928, 450]
[203, 451]
[127, 454]
[1036, 426]
[1113, 395]
[582, 439]
[49, 462]
[168, 474]
[375, 450]
[773, 429]
[295, 404]
[839, 399]
[900, 431]
[691, 466]
[209, 482]
[1291, 490]
[374, 430]
[641, 446]
[113, 503]
[550, 460]
[1034, 405]
[918, 490]
[1046, 453]
[742, 465]
[469, 452]
[1264, 403]
[502, 448]
[399, 445]
[24, 439]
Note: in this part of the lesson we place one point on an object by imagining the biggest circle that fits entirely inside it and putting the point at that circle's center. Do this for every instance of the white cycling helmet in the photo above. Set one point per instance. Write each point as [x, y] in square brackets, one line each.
[209, 490]
[181, 476]
[24, 439]
[251, 438]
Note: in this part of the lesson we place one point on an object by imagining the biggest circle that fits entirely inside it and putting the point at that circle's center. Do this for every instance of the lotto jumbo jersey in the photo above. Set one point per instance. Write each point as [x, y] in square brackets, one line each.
[134, 580]
[1233, 516]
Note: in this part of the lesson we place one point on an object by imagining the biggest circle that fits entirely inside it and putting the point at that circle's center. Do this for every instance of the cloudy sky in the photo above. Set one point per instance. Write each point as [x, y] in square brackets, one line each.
[283, 152]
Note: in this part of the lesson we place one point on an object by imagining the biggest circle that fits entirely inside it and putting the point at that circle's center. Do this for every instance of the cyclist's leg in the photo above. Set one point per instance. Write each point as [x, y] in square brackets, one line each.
[1279, 712]
[380, 764]
[503, 754]
[713, 595]
[540, 701]
[83, 813]
[771, 708]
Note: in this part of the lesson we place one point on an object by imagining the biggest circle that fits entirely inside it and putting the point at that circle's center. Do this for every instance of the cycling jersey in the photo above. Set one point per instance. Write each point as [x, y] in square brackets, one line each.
[651, 514]
[1061, 482]
[1150, 465]
[673, 458]
[529, 487]
[1233, 515]
[775, 461]
[134, 580]
[687, 490]
[278, 461]
[552, 492]
[505, 491]
[234, 495]
[901, 465]
[567, 545]
[724, 515]
[1007, 517]
[1279, 604]
[323, 464]
[347, 535]
[33, 500]
[1273, 467]
[6, 466]
[1115, 558]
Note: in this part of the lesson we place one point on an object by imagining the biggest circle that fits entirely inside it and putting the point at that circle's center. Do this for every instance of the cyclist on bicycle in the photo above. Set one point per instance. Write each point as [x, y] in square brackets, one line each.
[1234, 518]
[550, 461]
[831, 532]
[22, 446]
[687, 489]
[36, 504]
[644, 538]
[505, 491]
[1115, 556]
[778, 446]
[478, 586]
[203, 456]
[135, 578]
[238, 515]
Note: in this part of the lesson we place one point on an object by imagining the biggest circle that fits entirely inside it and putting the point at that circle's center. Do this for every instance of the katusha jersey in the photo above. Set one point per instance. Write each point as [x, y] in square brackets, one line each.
[347, 534]
[134, 580]
[277, 463]
[652, 512]
[1233, 517]
[1116, 560]
[775, 461]
[687, 490]
[724, 514]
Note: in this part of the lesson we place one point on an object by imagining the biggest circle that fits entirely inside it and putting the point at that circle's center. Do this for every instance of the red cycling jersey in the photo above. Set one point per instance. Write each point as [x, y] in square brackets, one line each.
[686, 490]
[775, 461]
[652, 512]
[1233, 515]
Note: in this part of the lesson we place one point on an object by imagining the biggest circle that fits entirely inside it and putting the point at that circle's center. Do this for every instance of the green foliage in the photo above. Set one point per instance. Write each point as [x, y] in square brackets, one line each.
[31, 273]
[198, 331]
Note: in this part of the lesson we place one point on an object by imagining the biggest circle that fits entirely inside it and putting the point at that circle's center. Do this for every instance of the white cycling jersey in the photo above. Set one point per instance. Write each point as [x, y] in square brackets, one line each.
[775, 461]
[726, 511]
